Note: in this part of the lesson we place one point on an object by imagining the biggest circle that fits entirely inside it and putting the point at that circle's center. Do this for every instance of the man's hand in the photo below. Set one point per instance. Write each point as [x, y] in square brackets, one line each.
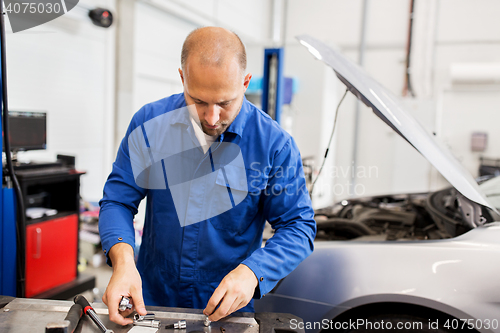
[125, 281]
[234, 292]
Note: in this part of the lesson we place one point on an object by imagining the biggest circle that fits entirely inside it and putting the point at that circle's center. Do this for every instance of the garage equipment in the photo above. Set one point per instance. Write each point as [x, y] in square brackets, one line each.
[149, 320]
[273, 83]
[181, 324]
[148, 323]
[125, 304]
[21, 315]
[69, 323]
[149, 316]
[11, 233]
[88, 310]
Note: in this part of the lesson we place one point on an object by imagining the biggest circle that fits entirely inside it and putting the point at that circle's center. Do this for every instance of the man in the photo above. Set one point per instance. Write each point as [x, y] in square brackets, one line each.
[201, 246]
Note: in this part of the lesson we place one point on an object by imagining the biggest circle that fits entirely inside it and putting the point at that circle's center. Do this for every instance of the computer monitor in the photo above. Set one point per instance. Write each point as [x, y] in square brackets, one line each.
[27, 130]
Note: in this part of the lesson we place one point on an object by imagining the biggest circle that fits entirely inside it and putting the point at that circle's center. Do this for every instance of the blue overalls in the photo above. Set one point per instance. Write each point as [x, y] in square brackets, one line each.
[182, 258]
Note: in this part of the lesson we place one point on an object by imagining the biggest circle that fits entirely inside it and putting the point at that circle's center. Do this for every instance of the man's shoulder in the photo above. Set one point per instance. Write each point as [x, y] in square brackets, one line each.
[161, 106]
[264, 126]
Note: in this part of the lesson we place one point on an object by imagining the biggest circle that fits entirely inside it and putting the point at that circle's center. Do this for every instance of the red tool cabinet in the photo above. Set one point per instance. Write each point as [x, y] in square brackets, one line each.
[51, 253]
[52, 241]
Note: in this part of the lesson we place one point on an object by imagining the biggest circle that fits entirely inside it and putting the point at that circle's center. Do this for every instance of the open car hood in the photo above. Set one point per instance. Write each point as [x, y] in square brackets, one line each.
[388, 108]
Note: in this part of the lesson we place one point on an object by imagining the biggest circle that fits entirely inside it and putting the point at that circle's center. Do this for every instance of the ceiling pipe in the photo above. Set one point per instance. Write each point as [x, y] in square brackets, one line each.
[361, 61]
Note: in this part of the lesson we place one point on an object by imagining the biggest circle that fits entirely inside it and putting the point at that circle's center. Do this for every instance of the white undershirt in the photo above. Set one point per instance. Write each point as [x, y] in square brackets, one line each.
[204, 139]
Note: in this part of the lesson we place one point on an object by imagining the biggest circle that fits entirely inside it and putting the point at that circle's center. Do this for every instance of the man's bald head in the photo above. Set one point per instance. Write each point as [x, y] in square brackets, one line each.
[213, 46]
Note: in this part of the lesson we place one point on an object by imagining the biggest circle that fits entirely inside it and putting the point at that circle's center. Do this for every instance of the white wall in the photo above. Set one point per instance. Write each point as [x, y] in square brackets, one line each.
[445, 32]
[339, 23]
[160, 29]
[162, 26]
[65, 67]
[467, 33]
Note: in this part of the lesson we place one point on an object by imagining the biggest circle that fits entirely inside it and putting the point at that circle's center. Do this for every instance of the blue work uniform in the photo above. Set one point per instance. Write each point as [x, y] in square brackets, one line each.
[182, 265]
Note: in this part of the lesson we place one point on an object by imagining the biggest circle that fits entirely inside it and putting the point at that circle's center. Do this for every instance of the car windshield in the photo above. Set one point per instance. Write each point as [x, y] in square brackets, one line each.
[491, 188]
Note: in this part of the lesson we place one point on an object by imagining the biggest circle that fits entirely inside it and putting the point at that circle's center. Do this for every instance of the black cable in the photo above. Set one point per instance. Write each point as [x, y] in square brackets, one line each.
[21, 213]
[409, 86]
[329, 142]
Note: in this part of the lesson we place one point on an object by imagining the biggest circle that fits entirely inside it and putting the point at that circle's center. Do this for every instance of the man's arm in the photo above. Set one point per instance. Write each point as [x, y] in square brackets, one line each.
[235, 291]
[287, 207]
[125, 281]
[117, 209]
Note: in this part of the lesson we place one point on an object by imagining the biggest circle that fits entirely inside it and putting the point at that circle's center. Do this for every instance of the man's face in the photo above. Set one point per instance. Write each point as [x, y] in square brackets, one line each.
[216, 91]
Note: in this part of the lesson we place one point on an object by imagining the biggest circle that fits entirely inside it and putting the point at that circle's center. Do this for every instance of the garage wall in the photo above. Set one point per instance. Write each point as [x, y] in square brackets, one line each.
[160, 29]
[162, 25]
[463, 108]
[339, 23]
[65, 67]
[445, 32]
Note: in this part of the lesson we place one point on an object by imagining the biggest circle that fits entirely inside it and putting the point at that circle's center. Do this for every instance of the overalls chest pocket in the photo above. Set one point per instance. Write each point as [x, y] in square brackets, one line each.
[241, 188]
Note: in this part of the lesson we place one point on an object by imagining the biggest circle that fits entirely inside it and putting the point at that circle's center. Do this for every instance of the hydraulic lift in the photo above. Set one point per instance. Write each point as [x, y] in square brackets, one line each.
[8, 244]
[273, 83]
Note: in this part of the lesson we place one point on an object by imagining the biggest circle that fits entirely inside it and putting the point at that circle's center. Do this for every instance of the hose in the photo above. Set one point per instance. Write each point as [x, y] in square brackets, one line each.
[21, 212]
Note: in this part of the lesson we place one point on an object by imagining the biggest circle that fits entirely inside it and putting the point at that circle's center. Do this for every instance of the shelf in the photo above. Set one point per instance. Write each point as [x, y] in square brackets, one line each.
[68, 290]
[52, 217]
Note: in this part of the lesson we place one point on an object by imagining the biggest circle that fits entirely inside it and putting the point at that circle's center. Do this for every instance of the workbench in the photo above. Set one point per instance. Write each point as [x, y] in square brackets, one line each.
[21, 315]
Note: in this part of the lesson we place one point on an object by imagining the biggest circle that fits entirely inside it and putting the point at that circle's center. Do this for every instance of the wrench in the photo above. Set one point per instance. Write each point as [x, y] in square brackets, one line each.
[88, 310]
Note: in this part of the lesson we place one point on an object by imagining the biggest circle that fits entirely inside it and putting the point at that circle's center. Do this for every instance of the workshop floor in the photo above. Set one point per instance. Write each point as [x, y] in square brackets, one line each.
[102, 275]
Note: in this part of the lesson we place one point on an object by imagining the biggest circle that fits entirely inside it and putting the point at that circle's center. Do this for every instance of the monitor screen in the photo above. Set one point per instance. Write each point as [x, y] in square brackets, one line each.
[27, 130]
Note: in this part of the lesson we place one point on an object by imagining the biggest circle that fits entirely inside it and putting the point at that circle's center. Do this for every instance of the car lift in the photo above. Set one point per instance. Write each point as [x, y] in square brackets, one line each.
[273, 83]
[8, 244]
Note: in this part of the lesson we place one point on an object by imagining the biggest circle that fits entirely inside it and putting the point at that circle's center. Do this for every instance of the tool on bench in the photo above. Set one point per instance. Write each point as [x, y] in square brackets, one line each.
[125, 304]
[69, 323]
[148, 323]
[88, 310]
[148, 316]
[181, 324]
[148, 320]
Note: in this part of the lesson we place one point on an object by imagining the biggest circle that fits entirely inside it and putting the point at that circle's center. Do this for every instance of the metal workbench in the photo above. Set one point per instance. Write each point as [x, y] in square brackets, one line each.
[22, 315]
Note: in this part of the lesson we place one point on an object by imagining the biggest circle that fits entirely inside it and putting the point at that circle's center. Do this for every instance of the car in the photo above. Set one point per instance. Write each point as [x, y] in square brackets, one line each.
[424, 262]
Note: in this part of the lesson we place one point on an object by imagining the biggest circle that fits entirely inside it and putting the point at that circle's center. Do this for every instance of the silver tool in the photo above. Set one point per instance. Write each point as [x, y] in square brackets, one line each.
[181, 324]
[149, 316]
[207, 321]
[88, 310]
[148, 323]
[125, 304]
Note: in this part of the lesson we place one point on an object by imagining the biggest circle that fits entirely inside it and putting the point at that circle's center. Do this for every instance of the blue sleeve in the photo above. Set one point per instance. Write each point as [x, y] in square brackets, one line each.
[287, 207]
[121, 198]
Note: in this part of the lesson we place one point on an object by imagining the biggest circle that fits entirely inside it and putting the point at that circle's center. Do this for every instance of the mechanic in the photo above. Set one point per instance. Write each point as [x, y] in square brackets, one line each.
[217, 264]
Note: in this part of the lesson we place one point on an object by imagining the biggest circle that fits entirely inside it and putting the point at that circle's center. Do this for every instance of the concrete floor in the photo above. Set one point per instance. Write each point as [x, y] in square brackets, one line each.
[102, 275]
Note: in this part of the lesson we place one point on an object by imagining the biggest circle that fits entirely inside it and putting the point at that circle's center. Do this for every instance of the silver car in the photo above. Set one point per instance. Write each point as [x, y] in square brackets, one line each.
[427, 262]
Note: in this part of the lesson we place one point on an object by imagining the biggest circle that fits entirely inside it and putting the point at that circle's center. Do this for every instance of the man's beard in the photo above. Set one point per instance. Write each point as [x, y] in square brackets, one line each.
[222, 126]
